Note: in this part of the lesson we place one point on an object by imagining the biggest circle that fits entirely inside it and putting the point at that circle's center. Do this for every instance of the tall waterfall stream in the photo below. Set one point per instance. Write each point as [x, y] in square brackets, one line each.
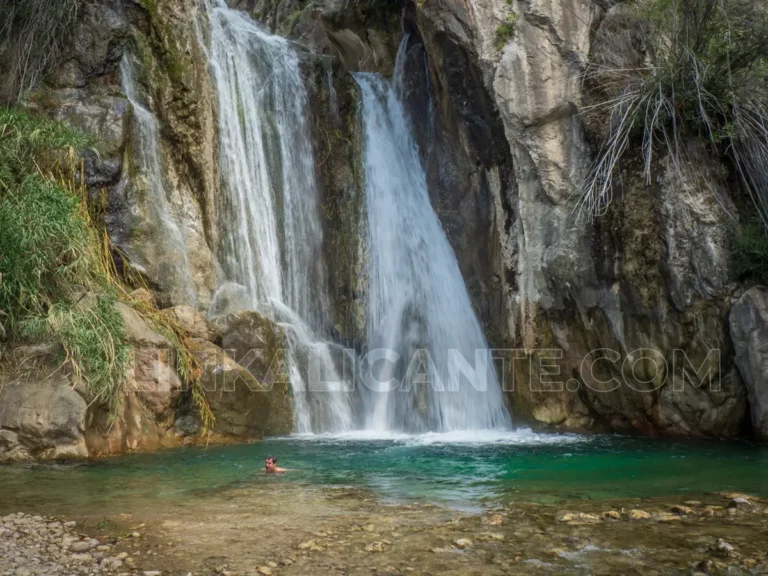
[418, 306]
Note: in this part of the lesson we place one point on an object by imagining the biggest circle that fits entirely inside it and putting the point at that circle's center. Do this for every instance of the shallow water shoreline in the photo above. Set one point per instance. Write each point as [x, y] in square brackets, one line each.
[292, 530]
[433, 504]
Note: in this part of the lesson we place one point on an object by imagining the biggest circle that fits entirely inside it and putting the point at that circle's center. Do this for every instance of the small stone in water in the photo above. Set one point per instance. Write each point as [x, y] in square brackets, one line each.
[684, 510]
[723, 549]
[740, 502]
[463, 543]
[638, 514]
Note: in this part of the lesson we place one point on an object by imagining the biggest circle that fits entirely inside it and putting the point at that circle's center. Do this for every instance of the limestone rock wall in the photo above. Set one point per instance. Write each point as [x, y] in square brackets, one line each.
[749, 330]
[649, 278]
[496, 95]
[87, 89]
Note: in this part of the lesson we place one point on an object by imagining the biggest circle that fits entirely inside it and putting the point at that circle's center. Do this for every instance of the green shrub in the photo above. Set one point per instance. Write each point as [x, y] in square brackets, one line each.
[50, 256]
[505, 31]
[29, 144]
[45, 246]
[677, 70]
[749, 247]
[46, 240]
[93, 337]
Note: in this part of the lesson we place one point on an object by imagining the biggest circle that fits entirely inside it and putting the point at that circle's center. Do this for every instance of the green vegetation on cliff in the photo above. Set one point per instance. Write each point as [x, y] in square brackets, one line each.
[57, 278]
[750, 252]
[55, 283]
[675, 72]
[505, 31]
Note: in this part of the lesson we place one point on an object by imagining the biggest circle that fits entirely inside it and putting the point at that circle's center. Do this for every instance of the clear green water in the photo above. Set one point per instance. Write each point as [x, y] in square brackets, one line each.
[455, 470]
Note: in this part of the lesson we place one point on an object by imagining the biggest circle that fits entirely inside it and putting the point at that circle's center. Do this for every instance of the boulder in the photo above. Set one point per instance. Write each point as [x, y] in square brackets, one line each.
[238, 401]
[151, 372]
[153, 378]
[137, 331]
[259, 345]
[192, 322]
[749, 332]
[41, 416]
[129, 427]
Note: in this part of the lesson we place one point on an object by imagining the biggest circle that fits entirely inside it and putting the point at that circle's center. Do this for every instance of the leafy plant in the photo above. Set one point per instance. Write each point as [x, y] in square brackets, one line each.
[676, 70]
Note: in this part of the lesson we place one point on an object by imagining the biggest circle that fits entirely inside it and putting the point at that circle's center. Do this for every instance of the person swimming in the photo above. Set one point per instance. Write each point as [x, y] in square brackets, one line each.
[270, 466]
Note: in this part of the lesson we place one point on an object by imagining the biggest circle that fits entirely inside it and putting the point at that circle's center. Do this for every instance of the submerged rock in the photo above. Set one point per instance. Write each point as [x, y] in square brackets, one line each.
[723, 549]
[679, 509]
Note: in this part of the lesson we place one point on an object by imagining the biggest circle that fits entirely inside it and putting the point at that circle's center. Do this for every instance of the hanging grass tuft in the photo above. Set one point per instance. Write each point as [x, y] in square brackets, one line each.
[677, 70]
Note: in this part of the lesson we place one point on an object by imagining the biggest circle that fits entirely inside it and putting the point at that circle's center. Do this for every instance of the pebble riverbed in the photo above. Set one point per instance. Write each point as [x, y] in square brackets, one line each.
[39, 546]
[292, 533]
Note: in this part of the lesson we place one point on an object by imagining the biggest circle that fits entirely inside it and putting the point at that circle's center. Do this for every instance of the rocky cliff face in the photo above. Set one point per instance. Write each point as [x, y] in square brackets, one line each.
[495, 92]
[648, 279]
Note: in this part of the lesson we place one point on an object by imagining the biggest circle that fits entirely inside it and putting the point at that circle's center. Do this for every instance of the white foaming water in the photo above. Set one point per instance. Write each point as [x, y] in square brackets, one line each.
[272, 232]
[417, 296]
[167, 239]
[520, 437]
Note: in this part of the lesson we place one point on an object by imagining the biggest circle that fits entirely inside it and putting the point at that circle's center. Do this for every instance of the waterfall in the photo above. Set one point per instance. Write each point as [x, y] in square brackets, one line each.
[417, 297]
[272, 231]
[272, 235]
[168, 242]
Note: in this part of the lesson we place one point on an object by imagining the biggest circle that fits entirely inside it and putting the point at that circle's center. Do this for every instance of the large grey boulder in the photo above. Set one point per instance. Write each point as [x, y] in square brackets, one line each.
[749, 331]
[259, 345]
[238, 401]
[41, 417]
[192, 322]
[151, 370]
